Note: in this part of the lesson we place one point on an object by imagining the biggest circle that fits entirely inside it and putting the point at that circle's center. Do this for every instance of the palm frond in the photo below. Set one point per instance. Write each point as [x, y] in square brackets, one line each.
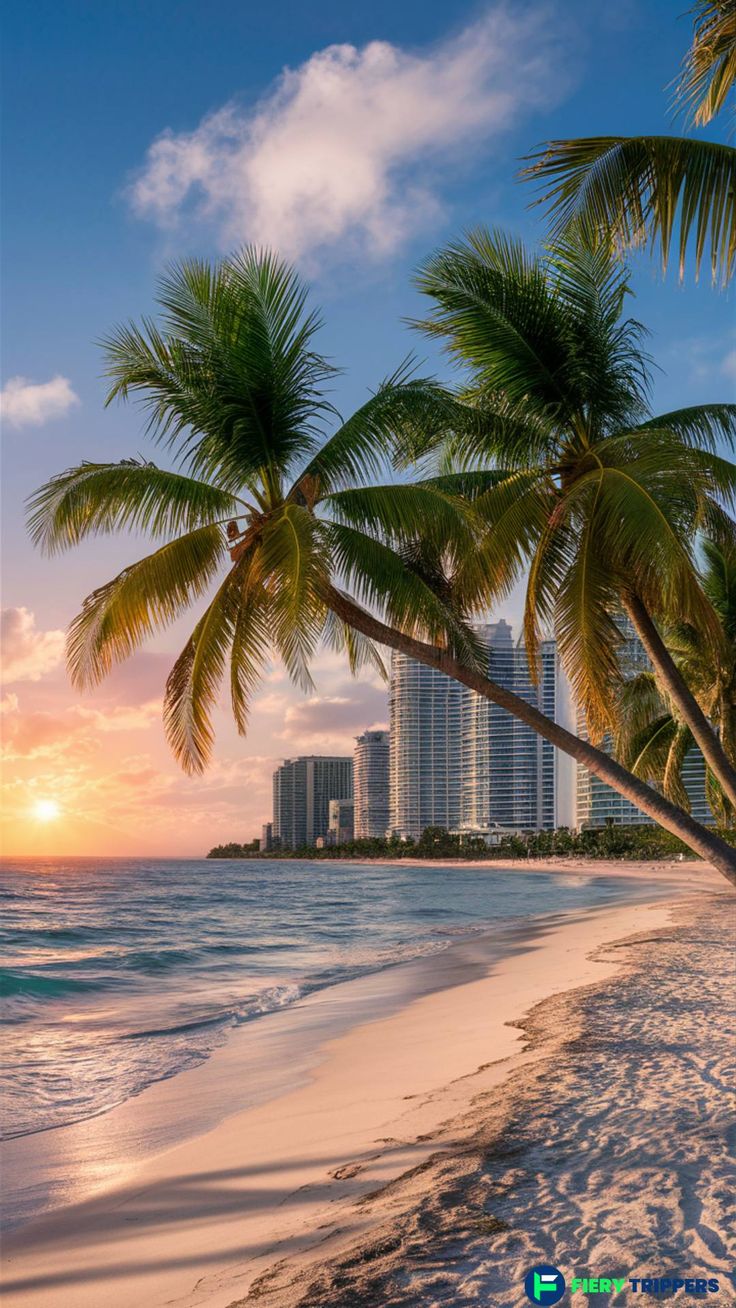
[145, 597]
[646, 522]
[672, 780]
[194, 682]
[589, 639]
[496, 313]
[511, 517]
[615, 369]
[469, 484]
[405, 412]
[295, 568]
[379, 578]
[701, 425]
[359, 650]
[401, 512]
[639, 704]
[719, 582]
[709, 68]
[497, 433]
[252, 638]
[555, 548]
[636, 189]
[232, 380]
[95, 499]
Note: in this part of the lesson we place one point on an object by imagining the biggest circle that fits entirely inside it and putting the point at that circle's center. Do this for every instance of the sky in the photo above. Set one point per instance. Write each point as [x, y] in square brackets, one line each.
[352, 138]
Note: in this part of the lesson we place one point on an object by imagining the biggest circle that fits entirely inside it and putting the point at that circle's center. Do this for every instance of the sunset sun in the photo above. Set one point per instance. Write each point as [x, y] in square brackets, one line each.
[46, 810]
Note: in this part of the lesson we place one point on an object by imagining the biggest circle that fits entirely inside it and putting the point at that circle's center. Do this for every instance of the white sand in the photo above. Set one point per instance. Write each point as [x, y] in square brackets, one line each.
[200, 1223]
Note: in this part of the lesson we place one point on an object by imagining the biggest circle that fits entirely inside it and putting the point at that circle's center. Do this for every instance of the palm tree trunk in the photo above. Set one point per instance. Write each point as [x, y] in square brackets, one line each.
[681, 695]
[702, 841]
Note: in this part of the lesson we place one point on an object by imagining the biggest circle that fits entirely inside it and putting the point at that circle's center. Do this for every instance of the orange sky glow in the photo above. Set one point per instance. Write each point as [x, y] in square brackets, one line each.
[92, 774]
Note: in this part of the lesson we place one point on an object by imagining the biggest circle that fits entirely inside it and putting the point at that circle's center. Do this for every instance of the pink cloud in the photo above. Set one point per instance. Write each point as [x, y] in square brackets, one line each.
[333, 720]
[27, 654]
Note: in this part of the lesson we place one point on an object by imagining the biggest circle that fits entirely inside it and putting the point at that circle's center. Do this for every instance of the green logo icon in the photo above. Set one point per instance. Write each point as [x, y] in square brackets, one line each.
[544, 1284]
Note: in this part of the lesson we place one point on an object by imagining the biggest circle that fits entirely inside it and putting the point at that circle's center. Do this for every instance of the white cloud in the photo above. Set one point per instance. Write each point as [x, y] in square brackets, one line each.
[26, 654]
[347, 145]
[728, 365]
[29, 404]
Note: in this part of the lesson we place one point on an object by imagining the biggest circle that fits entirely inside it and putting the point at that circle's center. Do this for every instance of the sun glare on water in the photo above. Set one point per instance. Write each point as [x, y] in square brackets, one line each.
[46, 810]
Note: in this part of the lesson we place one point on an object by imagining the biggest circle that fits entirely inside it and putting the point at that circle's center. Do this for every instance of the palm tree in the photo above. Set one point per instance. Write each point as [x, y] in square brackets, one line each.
[640, 188]
[598, 499]
[651, 738]
[318, 548]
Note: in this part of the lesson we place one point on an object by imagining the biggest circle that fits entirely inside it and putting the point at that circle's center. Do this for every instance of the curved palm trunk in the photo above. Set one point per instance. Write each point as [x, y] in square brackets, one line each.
[702, 841]
[681, 695]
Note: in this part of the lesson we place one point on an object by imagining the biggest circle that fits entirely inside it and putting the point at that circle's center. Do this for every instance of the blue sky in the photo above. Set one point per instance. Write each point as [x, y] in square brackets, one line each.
[432, 124]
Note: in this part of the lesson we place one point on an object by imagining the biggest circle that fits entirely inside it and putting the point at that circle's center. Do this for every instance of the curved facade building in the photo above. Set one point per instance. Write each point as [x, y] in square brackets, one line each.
[425, 710]
[599, 804]
[371, 784]
[508, 771]
[457, 760]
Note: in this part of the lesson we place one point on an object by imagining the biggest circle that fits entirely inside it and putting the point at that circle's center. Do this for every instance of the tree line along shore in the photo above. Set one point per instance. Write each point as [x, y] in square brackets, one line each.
[623, 842]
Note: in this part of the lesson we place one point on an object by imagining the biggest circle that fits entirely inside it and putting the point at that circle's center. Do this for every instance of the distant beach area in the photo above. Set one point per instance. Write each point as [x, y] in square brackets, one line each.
[411, 1127]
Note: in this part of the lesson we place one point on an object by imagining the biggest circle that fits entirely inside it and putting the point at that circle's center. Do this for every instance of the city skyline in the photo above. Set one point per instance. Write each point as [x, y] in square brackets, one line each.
[449, 758]
[452, 759]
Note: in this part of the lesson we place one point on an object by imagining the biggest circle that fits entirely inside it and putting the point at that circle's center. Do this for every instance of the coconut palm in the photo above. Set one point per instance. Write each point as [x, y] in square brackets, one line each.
[709, 67]
[642, 188]
[312, 546]
[599, 500]
[651, 738]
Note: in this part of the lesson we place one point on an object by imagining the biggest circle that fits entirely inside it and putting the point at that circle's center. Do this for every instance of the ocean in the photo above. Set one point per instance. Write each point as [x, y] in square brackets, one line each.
[117, 973]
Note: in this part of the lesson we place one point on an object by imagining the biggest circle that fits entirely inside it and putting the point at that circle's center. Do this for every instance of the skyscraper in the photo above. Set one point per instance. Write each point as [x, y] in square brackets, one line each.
[597, 803]
[461, 762]
[341, 821]
[508, 771]
[371, 784]
[425, 711]
[302, 790]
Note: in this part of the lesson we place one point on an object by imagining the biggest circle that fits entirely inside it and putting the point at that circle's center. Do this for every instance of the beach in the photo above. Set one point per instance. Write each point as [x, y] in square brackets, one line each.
[419, 1150]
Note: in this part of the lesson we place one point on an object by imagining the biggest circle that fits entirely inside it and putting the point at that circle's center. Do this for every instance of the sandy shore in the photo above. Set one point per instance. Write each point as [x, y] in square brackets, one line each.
[677, 872]
[291, 1201]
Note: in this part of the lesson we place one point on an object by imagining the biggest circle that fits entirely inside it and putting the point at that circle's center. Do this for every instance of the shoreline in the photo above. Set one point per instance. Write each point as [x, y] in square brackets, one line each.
[216, 1209]
[692, 870]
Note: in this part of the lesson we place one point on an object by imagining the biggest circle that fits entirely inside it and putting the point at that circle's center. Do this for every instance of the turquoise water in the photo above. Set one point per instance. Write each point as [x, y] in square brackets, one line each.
[120, 972]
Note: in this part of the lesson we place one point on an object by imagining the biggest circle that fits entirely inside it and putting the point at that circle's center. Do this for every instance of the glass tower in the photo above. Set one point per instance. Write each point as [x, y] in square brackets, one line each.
[425, 710]
[302, 790]
[461, 762]
[371, 784]
[597, 803]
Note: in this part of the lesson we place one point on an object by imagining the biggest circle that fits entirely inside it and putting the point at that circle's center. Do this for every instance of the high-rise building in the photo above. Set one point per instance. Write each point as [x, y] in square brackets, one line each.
[508, 770]
[341, 824]
[302, 790]
[371, 784]
[598, 805]
[425, 711]
[461, 762]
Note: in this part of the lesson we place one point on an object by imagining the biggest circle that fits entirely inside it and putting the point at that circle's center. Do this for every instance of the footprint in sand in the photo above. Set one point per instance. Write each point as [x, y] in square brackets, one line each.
[347, 1171]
